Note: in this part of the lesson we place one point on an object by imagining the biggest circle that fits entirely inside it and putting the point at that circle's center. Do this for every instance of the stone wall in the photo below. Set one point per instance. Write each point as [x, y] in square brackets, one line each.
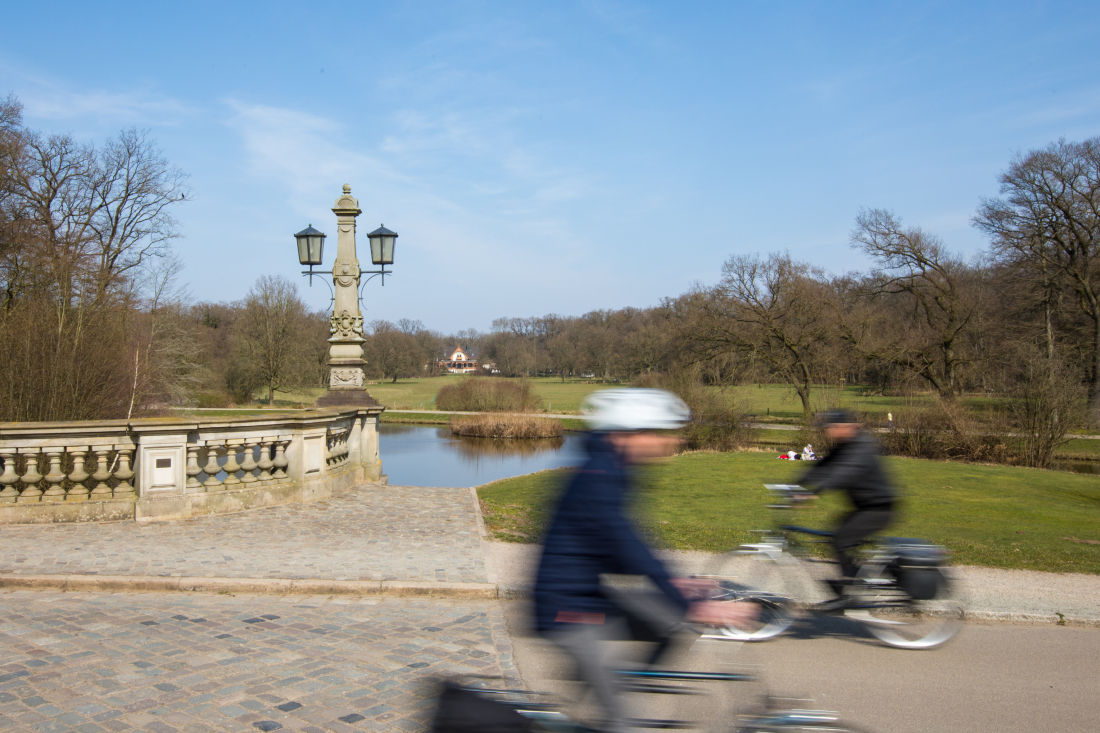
[173, 468]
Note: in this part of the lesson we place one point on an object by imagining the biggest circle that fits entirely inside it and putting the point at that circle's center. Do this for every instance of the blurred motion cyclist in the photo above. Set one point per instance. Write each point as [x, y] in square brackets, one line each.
[591, 535]
[854, 466]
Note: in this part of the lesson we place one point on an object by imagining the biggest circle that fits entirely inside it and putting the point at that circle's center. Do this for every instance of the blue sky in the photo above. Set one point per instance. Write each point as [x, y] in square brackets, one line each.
[560, 157]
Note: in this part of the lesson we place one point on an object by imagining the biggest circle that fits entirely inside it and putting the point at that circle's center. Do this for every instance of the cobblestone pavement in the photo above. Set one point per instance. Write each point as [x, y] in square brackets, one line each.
[365, 533]
[197, 662]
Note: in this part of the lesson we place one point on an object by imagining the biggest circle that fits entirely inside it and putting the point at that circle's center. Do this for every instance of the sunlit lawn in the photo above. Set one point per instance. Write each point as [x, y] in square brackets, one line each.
[419, 394]
[996, 516]
[762, 401]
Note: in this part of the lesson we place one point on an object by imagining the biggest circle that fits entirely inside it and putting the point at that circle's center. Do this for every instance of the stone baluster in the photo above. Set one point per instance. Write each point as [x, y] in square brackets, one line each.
[78, 491]
[265, 464]
[54, 492]
[249, 464]
[280, 461]
[125, 489]
[193, 470]
[231, 466]
[9, 478]
[31, 494]
[212, 468]
[102, 473]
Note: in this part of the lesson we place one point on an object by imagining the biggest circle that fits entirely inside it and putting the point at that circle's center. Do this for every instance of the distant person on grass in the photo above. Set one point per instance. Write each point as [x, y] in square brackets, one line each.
[590, 535]
[854, 466]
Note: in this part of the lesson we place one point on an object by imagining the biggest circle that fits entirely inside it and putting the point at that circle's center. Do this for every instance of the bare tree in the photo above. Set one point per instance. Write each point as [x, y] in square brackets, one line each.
[1049, 223]
[919, 301]
[273, 334]
[409, 326]
[76, 224]
[1046, 403]
[392, 351]
[772, 311]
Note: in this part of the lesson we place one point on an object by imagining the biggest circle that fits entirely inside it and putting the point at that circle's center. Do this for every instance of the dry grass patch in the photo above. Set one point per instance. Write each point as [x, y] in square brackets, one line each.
[488, 394]
[506, 426]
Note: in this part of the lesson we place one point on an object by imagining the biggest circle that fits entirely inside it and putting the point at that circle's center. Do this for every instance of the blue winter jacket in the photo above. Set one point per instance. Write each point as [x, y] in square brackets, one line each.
[589, 535]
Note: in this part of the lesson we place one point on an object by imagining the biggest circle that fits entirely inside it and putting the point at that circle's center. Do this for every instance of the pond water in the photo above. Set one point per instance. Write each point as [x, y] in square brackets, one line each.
[432, 456]
[1091, 467]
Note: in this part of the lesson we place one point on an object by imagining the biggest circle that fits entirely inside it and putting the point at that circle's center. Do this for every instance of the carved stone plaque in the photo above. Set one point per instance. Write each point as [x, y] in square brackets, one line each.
[339, 377]
[345, 325]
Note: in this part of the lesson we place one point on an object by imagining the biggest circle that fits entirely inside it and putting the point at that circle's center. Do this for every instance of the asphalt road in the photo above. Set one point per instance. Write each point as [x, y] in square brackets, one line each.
[994, 677]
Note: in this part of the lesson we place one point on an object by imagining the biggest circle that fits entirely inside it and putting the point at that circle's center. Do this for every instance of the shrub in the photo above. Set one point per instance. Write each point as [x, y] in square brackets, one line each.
[488, 394]
[67, 365]
[211, 399]
[1046, 403]
[506, 426]
[240, 383]
[944, 431]
[717, 421]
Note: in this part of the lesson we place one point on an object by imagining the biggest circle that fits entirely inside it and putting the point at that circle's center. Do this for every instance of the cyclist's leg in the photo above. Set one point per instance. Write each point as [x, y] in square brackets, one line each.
[587, 645]
[857, 527]
[650, 617]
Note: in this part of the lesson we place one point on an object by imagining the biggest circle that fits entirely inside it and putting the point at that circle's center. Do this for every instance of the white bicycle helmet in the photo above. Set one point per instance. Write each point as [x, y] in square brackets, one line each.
[634, 409]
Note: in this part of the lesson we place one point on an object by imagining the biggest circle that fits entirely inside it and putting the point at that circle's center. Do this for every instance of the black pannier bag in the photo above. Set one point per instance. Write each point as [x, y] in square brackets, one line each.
[918, 569]
[463, 711]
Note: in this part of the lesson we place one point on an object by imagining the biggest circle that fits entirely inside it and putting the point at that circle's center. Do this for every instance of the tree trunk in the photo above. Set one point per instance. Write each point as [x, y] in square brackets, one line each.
[1094, 384]
[270, 396]
[804, 395]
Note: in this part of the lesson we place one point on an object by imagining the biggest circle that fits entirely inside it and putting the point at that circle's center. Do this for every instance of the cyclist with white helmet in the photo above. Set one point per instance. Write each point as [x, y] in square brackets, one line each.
[590, 535]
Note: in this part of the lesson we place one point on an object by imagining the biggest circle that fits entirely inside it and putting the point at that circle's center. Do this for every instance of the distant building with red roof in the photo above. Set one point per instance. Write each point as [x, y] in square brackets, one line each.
[460, 360]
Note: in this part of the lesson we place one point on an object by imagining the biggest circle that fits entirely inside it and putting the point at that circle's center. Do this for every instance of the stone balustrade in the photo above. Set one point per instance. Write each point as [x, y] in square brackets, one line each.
[170, 468]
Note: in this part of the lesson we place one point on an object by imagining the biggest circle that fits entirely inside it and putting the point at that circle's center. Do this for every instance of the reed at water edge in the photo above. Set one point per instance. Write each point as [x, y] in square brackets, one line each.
[506, 426]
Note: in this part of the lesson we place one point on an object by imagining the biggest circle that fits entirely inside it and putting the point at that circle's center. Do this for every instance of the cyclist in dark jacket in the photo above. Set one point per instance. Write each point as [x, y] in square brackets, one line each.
[590, 535]
[854, 466]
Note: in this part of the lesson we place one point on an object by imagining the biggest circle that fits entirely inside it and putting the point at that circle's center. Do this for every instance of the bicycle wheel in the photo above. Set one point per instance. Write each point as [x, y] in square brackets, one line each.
[900, 621]
[758, 577]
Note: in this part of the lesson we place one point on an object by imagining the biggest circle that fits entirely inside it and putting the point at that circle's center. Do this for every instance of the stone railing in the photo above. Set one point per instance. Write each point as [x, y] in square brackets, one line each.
[171, 468]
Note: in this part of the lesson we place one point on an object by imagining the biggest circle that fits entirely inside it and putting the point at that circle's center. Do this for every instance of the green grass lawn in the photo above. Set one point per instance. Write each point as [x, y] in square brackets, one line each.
[419, 394]
[995, 516]
[765, 401]
[781, 402]
[416, 418]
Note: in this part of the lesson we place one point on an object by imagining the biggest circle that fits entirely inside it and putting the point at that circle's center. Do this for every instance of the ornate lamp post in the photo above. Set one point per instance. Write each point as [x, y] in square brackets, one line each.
[346, 365]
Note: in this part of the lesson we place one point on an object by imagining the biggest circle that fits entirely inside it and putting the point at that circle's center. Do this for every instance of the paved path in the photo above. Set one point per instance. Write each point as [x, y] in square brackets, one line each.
[93, 662]
[367, 533]
[991, 678]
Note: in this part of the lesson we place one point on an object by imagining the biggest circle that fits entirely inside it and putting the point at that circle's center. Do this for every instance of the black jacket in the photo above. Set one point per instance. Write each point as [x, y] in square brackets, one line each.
[589, 535]
[855, 467]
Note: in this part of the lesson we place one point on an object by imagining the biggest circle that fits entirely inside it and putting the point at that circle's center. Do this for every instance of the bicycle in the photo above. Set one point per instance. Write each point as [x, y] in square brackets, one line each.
[903, 594]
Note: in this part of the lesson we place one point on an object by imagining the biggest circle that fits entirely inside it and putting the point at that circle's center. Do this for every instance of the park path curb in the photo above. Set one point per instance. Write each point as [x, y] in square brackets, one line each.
[267, 586]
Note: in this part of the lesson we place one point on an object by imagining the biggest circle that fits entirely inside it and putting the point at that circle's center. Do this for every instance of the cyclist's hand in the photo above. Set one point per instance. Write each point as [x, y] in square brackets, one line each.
[695, 587]
[719, 613]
